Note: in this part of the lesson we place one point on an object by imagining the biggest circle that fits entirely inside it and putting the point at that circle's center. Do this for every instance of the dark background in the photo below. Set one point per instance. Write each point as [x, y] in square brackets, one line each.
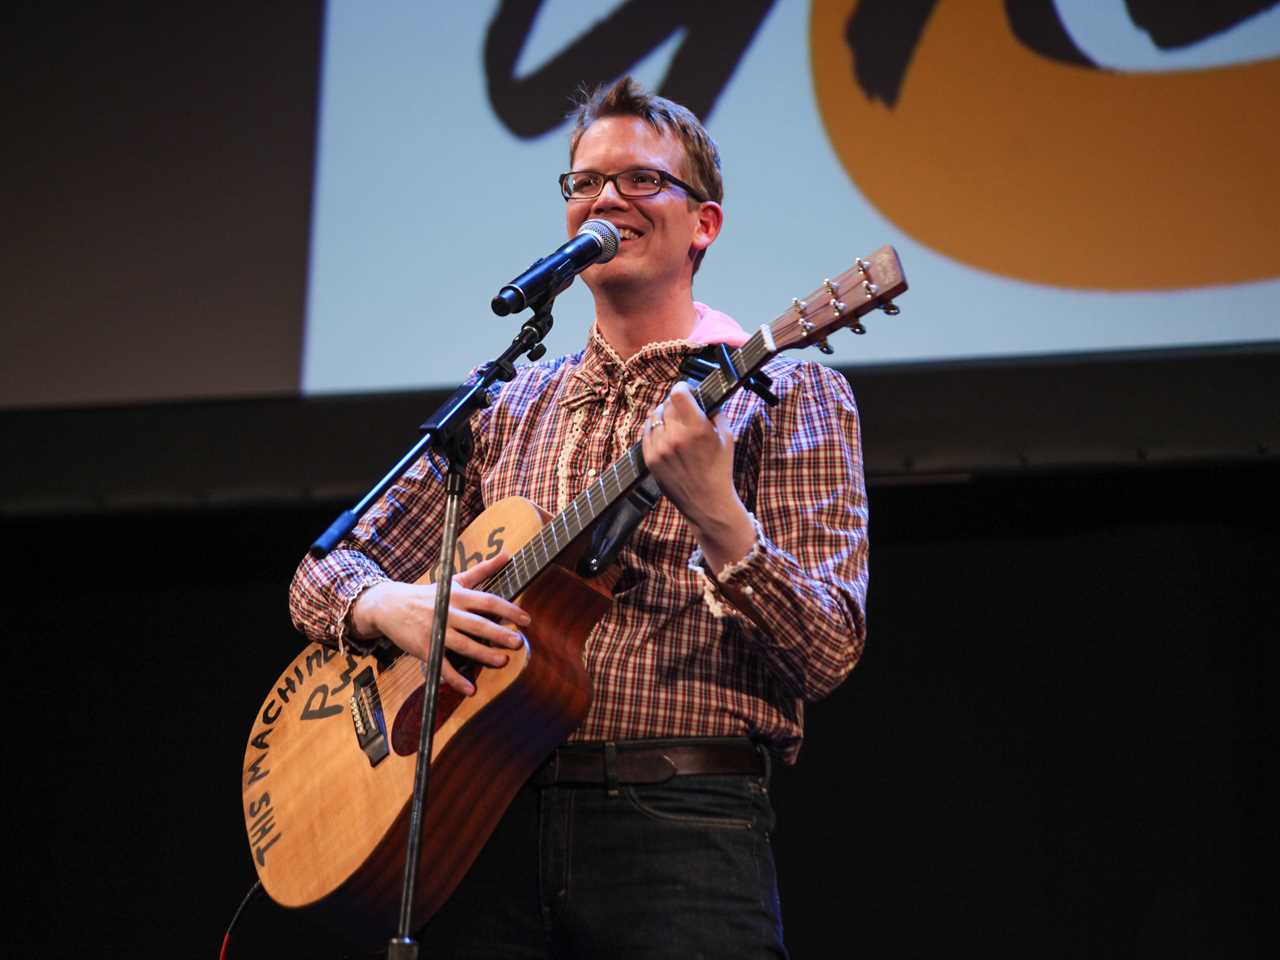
[1053, 747]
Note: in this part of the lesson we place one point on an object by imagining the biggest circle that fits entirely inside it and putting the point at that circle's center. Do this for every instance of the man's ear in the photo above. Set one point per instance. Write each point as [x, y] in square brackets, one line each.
[710, 220]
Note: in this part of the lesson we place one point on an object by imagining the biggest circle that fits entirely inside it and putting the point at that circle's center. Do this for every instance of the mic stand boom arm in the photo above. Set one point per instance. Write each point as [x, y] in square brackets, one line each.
[444, 423]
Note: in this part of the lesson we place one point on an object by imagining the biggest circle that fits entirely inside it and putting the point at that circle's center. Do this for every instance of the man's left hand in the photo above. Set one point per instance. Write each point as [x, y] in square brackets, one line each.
[691, 457]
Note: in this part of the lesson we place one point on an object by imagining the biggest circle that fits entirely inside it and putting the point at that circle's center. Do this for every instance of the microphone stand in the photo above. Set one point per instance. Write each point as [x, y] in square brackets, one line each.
[448, 432]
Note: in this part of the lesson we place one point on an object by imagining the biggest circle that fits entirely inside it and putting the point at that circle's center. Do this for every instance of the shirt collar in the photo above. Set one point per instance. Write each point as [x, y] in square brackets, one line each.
[600, 370]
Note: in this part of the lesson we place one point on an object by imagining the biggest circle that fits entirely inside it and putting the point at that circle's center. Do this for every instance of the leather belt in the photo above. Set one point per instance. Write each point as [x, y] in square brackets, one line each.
[612, 763]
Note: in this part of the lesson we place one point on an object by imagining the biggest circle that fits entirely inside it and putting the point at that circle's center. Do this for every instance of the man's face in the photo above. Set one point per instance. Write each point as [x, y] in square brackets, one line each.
[660, 234]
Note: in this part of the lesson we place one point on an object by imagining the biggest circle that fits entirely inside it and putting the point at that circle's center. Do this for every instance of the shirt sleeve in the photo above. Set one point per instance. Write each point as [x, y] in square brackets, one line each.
[800, 592]
[397, 539]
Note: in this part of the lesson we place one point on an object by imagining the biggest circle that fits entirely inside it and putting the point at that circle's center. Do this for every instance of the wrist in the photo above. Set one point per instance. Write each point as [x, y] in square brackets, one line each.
[725, 536]
[362, 618]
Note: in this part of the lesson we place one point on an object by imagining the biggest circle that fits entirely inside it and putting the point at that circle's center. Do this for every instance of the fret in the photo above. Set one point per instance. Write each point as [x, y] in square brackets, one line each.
[517, 577]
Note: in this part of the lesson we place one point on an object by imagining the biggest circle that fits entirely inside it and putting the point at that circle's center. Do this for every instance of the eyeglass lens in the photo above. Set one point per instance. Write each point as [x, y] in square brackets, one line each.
[630, 183]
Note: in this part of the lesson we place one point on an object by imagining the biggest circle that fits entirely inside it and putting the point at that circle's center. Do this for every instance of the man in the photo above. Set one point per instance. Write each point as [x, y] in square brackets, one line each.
[740, 596]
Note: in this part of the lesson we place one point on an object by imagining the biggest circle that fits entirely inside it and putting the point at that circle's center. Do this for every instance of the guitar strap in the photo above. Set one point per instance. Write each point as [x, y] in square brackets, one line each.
[616, 526]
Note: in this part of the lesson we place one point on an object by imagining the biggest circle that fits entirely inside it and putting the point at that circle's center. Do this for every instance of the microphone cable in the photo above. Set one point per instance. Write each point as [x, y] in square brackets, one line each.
[226, 937]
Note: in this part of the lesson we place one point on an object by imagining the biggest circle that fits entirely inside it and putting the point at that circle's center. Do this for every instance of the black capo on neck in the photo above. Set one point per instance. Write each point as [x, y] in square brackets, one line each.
[700, 366]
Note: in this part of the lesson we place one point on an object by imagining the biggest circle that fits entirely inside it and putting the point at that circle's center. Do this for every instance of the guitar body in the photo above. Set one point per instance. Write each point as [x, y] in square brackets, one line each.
[328, 826]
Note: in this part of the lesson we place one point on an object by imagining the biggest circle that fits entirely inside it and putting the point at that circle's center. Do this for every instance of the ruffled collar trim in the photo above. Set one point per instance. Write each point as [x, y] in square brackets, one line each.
[601, 369]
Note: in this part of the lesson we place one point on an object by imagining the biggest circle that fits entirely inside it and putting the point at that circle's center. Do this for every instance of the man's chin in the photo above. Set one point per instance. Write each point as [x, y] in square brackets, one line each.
[611, 279]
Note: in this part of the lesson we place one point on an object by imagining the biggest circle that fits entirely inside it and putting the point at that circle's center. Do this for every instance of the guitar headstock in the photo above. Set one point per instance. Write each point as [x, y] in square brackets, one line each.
[871, 283]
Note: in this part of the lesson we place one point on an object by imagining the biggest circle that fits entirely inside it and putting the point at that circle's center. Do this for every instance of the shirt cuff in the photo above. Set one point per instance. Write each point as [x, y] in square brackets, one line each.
[340, 628]
[717, 602]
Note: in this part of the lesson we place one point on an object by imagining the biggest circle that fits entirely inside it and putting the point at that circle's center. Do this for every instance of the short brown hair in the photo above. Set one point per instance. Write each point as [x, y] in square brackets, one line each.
[627, 98]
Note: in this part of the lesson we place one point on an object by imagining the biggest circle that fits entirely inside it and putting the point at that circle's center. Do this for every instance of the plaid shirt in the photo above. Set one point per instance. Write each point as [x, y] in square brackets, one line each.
[675, 656]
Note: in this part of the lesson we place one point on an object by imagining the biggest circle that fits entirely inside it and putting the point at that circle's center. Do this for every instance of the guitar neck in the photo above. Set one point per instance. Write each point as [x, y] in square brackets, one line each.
[617, 479]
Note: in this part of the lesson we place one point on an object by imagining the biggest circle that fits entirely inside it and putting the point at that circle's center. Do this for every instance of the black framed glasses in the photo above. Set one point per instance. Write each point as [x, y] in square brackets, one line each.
[641, 182]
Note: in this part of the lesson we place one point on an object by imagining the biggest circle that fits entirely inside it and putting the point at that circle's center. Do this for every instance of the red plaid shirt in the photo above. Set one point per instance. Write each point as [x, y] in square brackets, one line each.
[674, 657]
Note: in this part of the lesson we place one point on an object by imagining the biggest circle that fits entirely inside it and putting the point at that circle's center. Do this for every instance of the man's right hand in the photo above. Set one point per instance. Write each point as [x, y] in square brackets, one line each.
[404, 613]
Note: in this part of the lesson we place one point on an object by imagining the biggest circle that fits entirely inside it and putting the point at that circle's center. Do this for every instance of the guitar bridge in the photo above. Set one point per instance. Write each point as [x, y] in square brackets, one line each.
[367, 719]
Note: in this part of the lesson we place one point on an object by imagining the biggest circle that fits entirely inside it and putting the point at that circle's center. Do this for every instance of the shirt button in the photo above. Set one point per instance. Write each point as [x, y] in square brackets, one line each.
[591, 472]
[748, 591]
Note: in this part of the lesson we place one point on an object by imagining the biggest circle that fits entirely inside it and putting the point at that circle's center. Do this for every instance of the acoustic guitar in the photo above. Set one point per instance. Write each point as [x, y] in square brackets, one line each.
[329, 766]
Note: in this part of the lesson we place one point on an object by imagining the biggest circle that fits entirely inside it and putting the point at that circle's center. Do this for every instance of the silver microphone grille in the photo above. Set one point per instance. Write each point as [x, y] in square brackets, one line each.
[607, 234]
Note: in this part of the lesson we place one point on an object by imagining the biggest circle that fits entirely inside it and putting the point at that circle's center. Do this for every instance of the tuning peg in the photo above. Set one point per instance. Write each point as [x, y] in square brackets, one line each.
[824, 346]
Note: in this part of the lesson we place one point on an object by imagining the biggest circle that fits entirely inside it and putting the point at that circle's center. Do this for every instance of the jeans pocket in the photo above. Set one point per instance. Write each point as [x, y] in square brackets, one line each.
[702, 801]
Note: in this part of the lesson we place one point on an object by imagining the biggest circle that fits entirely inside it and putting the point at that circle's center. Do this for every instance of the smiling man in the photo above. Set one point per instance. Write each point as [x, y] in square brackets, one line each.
[739, 597]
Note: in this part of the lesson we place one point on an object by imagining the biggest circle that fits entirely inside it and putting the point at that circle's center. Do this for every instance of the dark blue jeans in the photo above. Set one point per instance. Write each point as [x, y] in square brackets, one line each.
[682, 869]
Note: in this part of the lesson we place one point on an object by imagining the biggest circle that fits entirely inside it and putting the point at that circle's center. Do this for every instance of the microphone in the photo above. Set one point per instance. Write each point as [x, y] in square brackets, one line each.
[596, 242]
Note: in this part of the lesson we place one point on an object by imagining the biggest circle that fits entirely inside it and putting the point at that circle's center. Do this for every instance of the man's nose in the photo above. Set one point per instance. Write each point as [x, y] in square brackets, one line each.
[609, 196]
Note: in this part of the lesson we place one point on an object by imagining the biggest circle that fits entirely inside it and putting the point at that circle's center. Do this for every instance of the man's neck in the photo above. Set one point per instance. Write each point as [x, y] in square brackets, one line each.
[631, 322]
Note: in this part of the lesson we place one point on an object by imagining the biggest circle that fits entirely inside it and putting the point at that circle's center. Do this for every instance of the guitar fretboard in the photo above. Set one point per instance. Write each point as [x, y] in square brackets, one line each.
[616, 480]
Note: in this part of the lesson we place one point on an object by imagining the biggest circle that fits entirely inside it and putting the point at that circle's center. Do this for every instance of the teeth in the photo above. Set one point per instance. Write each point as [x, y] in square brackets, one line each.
[627, 233]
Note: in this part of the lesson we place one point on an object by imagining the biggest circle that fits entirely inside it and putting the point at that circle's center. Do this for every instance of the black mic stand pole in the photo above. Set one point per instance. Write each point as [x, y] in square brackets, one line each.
[448, 432]
[459, 448]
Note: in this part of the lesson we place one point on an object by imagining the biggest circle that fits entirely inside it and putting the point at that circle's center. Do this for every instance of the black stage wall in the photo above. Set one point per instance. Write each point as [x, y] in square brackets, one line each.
[1053, 747]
